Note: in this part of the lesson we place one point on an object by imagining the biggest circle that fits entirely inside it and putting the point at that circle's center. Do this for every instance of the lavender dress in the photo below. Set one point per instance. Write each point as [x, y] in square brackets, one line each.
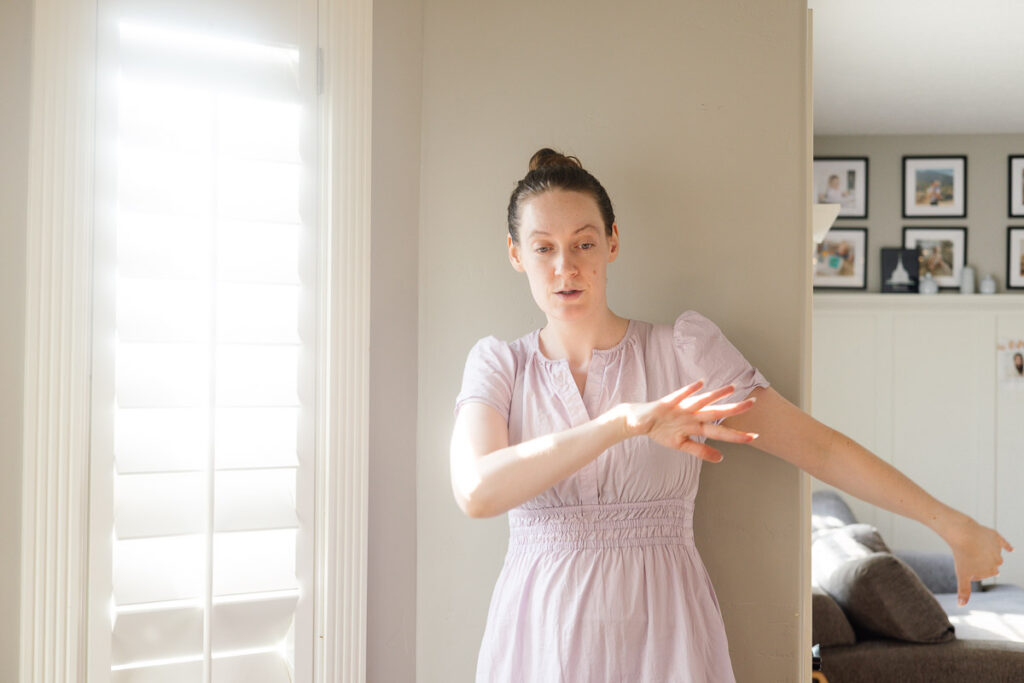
[602, 580]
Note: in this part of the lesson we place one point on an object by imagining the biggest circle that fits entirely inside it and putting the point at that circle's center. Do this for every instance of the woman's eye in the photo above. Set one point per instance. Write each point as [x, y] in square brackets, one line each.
[542, 250]
[587, 245]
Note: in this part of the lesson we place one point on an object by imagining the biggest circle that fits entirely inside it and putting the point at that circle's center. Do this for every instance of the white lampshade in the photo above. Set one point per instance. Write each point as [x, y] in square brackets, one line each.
[824, 215]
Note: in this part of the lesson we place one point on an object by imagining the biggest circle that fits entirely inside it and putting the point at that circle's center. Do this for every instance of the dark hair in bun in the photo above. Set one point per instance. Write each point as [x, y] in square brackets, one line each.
[551, 170]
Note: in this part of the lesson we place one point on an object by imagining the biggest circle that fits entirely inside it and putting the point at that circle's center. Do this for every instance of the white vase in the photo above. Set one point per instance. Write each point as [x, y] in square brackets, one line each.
[988, 285]
[928, 285]
[967, 280]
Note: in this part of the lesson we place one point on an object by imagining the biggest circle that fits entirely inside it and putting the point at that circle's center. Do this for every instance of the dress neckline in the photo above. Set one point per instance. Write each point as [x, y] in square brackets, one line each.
[630, 325]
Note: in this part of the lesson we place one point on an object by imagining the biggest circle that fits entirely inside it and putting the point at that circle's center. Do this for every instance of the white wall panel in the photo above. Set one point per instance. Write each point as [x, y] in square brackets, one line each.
[916, 380]
[1009, 464]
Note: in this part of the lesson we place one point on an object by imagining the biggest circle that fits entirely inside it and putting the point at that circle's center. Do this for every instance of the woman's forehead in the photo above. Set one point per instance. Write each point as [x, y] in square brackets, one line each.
[560, 211]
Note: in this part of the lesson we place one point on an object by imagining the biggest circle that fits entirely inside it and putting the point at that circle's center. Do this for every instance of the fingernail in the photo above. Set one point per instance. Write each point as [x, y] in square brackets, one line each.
[752, 435]
[753, 399]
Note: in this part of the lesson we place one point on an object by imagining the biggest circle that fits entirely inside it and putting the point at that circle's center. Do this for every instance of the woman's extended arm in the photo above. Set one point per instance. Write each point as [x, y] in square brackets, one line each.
[791, 434]
[490, 477]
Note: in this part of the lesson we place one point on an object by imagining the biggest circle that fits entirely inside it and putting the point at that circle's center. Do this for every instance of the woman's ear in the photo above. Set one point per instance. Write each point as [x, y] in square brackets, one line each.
[513, 255]
[613, 243]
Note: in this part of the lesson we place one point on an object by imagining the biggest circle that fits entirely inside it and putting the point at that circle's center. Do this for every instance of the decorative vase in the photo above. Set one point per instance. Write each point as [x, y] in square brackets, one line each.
[928, 285]
[988, 285]
[967, 280]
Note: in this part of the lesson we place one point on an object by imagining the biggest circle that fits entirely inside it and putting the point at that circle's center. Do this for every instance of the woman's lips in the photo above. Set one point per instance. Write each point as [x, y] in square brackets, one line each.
[569, 295]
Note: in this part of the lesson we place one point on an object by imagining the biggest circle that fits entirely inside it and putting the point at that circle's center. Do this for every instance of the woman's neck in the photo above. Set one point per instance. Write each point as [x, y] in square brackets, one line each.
[577, 340]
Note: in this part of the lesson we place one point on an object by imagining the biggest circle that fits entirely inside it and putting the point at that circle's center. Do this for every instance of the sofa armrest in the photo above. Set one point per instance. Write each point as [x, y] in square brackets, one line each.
[936, 570]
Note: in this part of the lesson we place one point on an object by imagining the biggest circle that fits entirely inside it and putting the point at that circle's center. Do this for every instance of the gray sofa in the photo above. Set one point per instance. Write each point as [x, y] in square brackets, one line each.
[884, 616]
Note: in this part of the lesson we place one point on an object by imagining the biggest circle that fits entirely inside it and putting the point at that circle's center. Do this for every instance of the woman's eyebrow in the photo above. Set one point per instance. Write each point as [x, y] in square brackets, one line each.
[541, 232]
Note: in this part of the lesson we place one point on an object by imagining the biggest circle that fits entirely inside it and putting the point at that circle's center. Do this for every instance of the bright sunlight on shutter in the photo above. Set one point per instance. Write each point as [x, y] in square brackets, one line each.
[212, 357]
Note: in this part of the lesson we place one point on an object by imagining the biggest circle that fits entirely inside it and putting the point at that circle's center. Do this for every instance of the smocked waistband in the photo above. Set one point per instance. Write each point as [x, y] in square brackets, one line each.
[601, 525]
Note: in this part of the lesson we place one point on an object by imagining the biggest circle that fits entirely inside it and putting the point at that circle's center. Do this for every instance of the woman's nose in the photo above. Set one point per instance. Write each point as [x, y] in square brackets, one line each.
[565, 263]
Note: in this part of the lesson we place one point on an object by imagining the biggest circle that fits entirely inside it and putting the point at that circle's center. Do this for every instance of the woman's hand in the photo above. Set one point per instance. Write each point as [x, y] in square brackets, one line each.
[672, 420]
[977, 553]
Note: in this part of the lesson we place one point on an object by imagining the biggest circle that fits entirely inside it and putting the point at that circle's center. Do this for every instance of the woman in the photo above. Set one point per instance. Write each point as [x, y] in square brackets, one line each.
[590, 433]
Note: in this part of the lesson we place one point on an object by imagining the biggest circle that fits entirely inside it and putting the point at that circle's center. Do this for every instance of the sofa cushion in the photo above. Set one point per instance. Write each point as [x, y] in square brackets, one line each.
[937, 570]
[829, 510]
[829, 626]
[832, 547]
[958, 661]
[996, 613]
[882, 596]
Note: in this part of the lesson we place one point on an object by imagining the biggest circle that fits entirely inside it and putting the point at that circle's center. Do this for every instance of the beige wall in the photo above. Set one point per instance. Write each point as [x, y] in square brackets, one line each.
[986, 219]
[15, 48]
[693, 115]
[391, 585]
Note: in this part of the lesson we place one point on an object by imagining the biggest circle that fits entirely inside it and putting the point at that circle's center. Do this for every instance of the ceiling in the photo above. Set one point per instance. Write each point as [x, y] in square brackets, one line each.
[918, 66]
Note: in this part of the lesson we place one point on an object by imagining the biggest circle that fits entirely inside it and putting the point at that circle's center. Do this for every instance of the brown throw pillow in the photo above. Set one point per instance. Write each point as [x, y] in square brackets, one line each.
[830, 548]
[882, 596]
[829, 625]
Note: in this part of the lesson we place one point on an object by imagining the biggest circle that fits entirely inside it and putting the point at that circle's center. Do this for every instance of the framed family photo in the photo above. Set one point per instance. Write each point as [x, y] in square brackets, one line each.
[1016, 186]
[843, 181]
[840, 261]
[934, 186]
[943, 253]
[1015, 258]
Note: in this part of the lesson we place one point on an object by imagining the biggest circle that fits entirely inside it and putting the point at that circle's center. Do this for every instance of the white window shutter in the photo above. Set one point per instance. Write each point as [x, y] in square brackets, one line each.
[211, 356]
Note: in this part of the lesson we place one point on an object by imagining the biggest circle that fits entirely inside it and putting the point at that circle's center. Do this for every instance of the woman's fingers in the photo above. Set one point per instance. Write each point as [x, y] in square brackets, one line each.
[701, 450]
[718, 412]
[722, 433]
[699, 401]
[679, 394]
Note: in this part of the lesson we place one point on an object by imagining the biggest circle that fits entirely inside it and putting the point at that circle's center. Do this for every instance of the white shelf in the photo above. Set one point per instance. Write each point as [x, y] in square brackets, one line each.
[944, 301]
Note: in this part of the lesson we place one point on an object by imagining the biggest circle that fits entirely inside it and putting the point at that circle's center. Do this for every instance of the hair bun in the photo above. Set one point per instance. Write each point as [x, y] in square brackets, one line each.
[549, 157]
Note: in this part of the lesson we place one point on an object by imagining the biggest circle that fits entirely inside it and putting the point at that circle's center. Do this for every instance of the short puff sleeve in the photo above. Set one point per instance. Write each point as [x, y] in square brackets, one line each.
[703, 351]
[489, 376]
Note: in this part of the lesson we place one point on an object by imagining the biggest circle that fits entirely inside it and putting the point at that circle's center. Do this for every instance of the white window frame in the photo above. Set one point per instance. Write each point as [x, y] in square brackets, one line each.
[55, 575]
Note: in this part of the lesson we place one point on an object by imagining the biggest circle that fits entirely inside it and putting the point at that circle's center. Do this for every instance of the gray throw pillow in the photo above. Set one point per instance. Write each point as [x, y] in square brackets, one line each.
[882, 596]
[830, 548]
[829, 625]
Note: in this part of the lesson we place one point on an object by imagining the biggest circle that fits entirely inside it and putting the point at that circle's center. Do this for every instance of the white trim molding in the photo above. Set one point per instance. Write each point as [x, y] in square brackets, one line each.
[54, 550]
[343, 467]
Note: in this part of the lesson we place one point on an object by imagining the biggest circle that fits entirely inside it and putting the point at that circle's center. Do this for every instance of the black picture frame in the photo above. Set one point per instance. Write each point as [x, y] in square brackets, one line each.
[890, 259]
[911, 235]
[1015, 255]
[916, 210]
[855, 165]
[1015, 172]
[858, 280]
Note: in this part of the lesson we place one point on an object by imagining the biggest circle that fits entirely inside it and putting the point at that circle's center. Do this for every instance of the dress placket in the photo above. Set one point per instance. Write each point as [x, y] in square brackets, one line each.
[581, 406]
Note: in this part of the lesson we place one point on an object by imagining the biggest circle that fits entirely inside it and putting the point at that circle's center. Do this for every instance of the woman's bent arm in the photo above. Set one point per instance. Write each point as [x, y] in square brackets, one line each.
[490, 477]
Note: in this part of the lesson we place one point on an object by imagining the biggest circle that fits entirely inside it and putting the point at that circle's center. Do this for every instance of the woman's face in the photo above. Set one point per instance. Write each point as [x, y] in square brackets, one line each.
[564, 251]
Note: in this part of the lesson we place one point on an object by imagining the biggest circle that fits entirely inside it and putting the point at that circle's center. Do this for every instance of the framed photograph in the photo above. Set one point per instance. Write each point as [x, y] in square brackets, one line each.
[900, 268]
[840, 261]
[1016, 185]
[843, 181]
[935, 186]
[943, 253]
[1015, 258]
